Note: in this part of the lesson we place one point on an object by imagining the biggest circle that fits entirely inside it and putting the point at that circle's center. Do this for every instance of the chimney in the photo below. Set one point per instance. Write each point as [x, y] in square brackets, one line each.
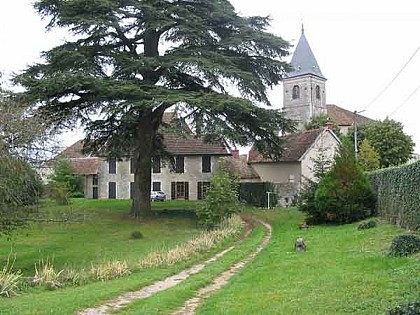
[330, 125]
[235, 154]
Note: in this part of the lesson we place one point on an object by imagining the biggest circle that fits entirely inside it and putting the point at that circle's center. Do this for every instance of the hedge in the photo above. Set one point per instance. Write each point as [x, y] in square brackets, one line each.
[398, 191]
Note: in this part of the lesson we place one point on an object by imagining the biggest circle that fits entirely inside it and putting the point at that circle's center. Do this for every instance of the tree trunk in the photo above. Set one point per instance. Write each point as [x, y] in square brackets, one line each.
[142, 155]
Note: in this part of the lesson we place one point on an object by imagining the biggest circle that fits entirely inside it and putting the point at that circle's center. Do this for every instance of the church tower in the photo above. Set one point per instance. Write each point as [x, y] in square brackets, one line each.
[304, 87]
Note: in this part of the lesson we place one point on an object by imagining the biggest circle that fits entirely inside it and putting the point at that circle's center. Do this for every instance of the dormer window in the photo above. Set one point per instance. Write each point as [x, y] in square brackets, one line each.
[318, 92]
[296, 92]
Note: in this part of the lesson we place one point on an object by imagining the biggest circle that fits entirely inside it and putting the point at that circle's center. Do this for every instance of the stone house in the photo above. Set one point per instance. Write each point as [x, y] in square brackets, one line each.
[297, 163]
[194, 163]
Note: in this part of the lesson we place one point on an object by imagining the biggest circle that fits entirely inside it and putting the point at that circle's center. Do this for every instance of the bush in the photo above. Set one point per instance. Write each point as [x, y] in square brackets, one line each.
[344, 194]
[135, 235]
[255, 194]
[220, 201]
[60, 193]
[64, 178]
[367, 225]
[412, 308]
[20, 188]
[404, 245]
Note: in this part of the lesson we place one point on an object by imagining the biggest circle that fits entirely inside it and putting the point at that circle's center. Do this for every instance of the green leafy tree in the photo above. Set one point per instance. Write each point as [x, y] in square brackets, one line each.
[64, 182]
[132, 60]
[20, 188]
[221, 199]
[388, 138]
[344, 194]
[368, 158]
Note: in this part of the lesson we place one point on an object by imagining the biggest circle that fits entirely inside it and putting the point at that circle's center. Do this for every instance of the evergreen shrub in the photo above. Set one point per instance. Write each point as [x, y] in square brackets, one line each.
[221, 200]
[135, 235]
[344, 194]
[412, 308]
[404, 245]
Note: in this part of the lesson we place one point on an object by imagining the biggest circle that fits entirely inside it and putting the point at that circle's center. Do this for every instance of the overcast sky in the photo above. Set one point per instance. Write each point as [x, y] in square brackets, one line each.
[360, 47]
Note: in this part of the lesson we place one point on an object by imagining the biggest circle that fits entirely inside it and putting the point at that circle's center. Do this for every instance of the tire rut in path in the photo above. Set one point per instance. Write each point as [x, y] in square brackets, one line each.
[191, 305]
[169, 282]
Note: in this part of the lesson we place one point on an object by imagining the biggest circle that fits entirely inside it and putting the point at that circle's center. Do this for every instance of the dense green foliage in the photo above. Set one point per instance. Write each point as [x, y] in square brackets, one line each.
[221, 200]
[368, 158]
[20, 188]
[398, 194]
[412, 308]
[388, 139]
[131, 61]
[404, 245]
[344, 194]
[255, 194]
[64, 183]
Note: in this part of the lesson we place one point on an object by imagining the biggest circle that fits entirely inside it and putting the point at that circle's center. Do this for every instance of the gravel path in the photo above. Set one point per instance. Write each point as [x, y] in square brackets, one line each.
[158, 286]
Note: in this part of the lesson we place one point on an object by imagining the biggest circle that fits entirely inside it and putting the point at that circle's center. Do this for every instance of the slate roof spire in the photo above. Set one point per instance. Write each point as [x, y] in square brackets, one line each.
[303, 60]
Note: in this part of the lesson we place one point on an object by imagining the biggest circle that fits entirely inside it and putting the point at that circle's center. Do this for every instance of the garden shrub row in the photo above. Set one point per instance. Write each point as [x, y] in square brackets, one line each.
[398, 192]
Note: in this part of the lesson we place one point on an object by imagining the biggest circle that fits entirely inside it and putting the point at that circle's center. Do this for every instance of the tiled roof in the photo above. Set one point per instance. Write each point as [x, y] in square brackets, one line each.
[176, 144]
[85, 166]
[189, 145]
[240, 167]
[344, 117]
[73, 151]
[295, 146]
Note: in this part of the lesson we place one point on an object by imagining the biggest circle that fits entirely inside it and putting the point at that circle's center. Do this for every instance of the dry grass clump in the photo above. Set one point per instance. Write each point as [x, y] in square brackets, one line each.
[206, 240]
[110, 270]
[45, 274]
[9, 279]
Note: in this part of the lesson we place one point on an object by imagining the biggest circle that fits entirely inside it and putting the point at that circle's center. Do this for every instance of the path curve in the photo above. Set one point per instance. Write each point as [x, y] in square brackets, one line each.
[191, 305]
[169, 282]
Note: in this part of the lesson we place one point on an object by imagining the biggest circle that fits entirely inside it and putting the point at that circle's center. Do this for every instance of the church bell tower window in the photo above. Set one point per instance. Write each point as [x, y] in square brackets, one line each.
[318, 92]
[296, 92]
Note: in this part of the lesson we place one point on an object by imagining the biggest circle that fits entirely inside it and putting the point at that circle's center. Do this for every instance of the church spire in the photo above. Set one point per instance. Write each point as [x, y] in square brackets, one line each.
[303, 60]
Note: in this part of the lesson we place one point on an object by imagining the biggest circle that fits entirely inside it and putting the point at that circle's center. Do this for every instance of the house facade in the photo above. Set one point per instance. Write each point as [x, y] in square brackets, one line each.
[297, 162]
[194, 163]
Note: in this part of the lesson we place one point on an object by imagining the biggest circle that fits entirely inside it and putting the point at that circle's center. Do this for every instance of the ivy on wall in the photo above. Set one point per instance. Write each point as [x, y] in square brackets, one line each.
[398, 191]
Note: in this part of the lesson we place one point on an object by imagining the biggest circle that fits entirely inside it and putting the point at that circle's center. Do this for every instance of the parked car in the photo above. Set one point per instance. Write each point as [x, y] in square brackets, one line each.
[157, 196]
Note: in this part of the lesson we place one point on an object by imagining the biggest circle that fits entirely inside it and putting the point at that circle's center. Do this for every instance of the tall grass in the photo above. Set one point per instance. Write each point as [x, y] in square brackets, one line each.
[9, 279]
[45, 274]
[207, 239]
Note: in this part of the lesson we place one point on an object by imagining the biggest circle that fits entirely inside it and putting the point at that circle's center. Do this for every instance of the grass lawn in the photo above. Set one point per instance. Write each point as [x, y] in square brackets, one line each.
[344, 271]
[101, 234]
